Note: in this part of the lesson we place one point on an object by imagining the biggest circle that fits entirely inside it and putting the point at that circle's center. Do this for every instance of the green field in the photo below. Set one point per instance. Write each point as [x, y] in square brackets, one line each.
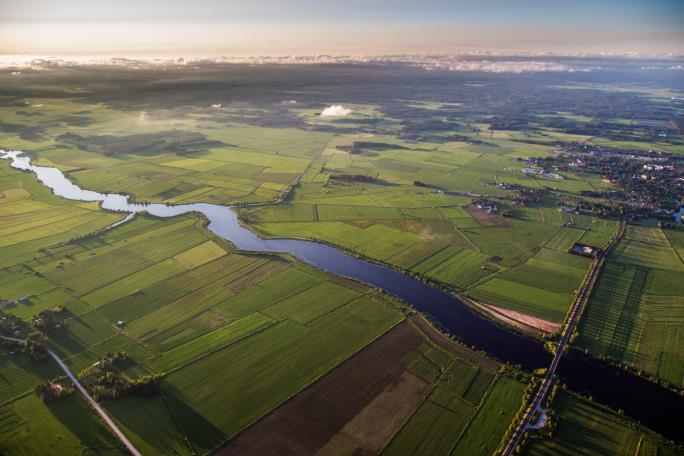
[467, 412]
[118, 150]
[587, 429]
[544, 286]
[444, 242]
[65, 427]
[634, 315]
[182, 304]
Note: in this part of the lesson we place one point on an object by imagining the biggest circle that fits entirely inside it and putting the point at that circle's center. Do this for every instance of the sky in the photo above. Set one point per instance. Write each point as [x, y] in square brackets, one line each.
[181, 28]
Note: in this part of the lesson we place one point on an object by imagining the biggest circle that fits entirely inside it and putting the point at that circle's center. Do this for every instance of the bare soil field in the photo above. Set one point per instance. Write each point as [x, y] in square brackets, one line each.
[524, 322]
[366, 389]
[487, 219]
[369, 431]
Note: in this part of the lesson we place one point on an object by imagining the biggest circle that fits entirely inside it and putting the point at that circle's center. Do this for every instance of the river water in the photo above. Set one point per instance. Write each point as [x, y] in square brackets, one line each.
[656, 407]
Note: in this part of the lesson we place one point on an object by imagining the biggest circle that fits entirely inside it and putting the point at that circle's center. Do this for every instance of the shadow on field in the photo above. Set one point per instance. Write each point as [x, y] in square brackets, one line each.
[203, 435]
[64, 343]
[83, 423]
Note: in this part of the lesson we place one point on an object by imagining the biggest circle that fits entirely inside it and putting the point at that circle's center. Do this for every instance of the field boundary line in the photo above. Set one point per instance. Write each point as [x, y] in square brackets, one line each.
[494, 381]
[672, 246]
[344, 304]
[186, 439]
[20, 395]
[199, 312]
[546, 242]
[315, 380]
[218, 349]
[405, 422]
[468, 240]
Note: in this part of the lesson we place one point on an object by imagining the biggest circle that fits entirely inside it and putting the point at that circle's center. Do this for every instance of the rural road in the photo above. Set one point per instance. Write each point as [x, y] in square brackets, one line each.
[580, 301]
[100, 411]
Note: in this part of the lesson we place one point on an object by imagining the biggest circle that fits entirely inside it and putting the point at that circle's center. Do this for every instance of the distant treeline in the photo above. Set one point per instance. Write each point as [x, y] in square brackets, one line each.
[175, 141]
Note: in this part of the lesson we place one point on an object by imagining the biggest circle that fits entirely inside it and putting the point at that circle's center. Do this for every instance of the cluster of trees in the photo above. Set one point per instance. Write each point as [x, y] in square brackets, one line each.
[105, 382]
[10, 325]
[44, 321]
[515, 372]
[354, 178]
[551, 422]
[15, 328]
[103, 363]
[669, 225]
[49, 391]
[418, 183]
[35, 349]
[110, 386]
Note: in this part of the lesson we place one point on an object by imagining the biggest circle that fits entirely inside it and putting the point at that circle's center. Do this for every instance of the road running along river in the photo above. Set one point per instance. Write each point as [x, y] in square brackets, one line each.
[652, 405]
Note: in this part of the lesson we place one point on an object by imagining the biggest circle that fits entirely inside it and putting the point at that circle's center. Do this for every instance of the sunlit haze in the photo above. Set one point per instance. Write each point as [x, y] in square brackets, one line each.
[304, 27]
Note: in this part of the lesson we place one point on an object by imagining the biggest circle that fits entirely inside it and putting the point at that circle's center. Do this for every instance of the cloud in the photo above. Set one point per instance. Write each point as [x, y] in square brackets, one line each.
[500, 66]
[486, 62]
[335, 111]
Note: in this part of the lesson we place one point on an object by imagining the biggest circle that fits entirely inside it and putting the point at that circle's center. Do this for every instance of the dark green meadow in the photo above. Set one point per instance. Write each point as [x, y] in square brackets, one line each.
[635, 315]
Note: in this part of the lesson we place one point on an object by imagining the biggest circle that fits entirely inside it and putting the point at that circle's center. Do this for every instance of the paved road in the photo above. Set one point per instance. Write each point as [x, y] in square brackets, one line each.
[580, 301]
[100, 411]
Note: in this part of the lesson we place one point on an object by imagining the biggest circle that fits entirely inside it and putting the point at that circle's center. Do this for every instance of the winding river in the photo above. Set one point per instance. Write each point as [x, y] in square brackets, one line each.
[654, 406]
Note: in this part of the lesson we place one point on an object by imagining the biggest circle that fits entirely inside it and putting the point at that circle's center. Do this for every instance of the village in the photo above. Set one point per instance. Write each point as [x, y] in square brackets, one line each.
[651, 184]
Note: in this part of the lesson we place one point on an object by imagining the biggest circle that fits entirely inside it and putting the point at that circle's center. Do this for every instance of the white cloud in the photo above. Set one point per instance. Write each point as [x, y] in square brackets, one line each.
[499, 66]
[335, 111]
[490, 62]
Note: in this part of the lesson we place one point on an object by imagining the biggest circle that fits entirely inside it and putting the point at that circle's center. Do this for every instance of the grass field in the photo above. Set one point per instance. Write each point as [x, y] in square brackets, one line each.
[66, 427]
[466, 413]
[544, 286]
[386, 196]
[180, 303]
[445, 242]
[634, 314]
[121, 151]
